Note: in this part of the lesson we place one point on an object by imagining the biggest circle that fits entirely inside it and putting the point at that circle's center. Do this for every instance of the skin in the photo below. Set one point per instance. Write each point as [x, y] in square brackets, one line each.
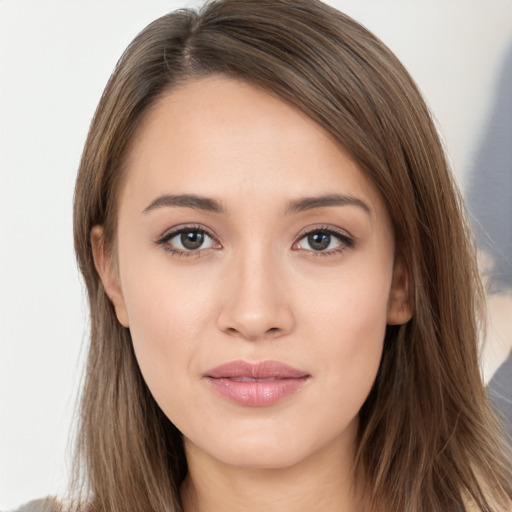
[256, 290]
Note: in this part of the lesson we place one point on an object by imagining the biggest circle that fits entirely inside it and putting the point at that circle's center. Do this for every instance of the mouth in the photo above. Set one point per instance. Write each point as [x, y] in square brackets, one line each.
[256, 384]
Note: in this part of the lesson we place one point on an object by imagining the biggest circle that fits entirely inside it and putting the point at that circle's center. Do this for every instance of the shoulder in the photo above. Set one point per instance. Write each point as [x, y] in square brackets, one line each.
[35, 506]
[44, 505]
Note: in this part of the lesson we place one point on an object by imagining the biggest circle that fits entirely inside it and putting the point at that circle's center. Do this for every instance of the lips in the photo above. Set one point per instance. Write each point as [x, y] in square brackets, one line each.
[256, 384]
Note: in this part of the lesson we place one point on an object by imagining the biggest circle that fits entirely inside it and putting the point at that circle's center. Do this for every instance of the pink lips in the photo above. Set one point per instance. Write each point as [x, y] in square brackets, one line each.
[256, 384]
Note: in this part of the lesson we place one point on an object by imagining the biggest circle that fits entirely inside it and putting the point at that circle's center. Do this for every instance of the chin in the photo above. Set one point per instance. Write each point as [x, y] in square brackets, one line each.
[270, 447]
[264, 456]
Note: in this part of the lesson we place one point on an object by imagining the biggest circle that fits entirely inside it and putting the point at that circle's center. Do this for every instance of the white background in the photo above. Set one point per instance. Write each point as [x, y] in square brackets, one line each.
[55, 58]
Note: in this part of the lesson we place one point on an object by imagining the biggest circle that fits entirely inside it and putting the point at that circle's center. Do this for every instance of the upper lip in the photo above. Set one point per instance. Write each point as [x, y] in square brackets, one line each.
[258, 370]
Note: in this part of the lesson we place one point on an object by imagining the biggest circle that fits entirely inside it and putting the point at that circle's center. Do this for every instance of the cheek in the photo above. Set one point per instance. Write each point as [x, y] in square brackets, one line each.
[167, 311]
[348, 318]
[352, 304]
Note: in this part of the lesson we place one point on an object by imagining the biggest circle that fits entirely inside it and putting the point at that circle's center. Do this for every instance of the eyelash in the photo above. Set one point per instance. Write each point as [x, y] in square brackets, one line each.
[164, 239]
[346, 242]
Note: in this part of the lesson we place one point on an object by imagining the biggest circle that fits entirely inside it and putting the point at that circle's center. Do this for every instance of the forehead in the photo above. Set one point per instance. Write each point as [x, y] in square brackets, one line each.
[226, 138]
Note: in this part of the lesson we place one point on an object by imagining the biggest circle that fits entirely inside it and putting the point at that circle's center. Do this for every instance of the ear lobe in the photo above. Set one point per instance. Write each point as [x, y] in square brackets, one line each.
[399, 303]
[108, 274]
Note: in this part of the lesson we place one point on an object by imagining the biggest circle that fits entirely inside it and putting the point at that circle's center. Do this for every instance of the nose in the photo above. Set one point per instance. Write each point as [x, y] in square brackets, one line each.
[255, 302]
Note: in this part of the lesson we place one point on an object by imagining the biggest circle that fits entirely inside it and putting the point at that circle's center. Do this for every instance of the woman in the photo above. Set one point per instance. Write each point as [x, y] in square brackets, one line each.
[282, 289]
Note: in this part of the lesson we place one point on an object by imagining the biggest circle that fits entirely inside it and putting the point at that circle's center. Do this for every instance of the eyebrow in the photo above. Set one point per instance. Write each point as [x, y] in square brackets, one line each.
[310, 203]
[186, 201]
[208, 204]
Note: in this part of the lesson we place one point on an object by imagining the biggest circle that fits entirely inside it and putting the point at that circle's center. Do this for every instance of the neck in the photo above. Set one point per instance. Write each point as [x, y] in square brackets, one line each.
[325, 481]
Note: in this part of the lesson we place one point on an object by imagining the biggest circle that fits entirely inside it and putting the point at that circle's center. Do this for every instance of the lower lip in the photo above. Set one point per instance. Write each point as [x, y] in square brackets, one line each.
[256, 393]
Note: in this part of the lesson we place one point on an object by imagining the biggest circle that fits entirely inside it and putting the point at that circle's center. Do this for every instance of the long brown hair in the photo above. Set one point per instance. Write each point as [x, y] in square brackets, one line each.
[428, 440]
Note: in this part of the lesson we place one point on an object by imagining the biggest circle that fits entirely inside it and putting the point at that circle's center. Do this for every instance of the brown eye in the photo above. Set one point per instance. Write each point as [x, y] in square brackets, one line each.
[324, 241]
[189, 240]
[319, 241]
[192, 240]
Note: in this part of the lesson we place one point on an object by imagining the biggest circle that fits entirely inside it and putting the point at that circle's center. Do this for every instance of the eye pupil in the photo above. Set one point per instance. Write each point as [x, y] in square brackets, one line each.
[319, 241]
[192, 239]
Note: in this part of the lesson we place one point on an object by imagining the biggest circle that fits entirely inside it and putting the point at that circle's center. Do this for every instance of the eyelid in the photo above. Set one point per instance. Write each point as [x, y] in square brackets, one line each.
[343, 236]
[347, 241]
[170, 233]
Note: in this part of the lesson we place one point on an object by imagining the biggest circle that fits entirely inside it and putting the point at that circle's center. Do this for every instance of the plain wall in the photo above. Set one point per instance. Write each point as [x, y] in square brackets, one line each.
[55, 58]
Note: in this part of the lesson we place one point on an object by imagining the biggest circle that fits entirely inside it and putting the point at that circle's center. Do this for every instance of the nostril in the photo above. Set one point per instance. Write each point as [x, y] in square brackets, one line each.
[255, 320]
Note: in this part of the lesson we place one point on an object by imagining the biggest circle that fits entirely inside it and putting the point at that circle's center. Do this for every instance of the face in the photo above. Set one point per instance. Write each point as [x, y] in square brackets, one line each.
[255, 270]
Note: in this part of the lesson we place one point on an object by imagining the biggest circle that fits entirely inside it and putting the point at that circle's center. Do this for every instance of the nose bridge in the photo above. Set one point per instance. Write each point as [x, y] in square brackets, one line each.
[256, 304]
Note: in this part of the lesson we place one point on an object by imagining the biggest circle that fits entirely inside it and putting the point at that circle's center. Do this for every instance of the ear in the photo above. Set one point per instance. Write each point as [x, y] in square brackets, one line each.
[107, 271]
[399, 303]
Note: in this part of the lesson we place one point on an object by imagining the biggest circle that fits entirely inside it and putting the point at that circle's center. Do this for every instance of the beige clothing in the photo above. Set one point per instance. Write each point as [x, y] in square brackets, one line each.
[42, 505]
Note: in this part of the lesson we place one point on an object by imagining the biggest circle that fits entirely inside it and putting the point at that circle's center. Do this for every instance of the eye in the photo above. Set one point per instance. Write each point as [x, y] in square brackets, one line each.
[187, 241]
[324, 240]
